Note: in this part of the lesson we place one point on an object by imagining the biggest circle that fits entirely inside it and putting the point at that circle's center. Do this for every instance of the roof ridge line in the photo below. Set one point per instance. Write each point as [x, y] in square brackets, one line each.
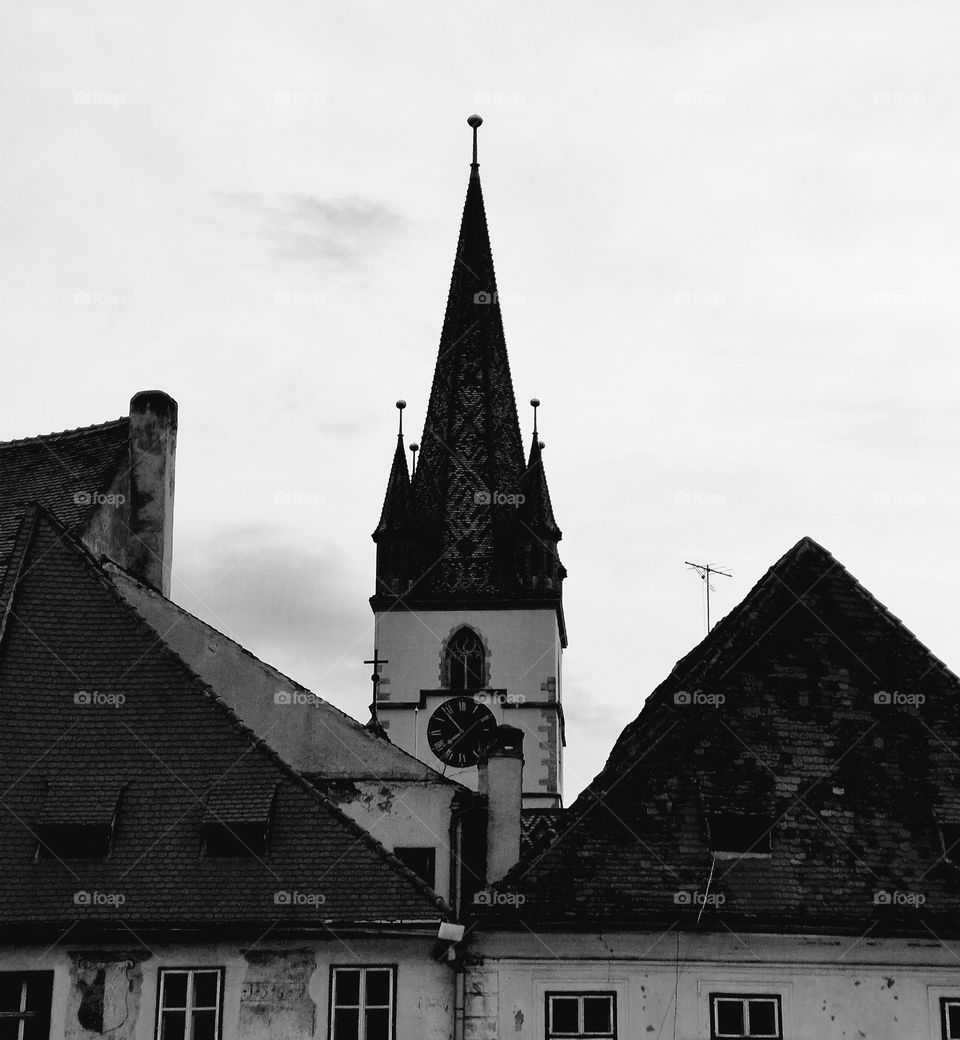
[257, 742]
[76, 431]
[266, 664]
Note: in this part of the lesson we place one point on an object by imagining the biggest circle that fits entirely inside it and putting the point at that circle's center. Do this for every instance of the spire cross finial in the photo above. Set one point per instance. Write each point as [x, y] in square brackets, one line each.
[475, 121]
[414, 448]
[400, 407]
[535, 402]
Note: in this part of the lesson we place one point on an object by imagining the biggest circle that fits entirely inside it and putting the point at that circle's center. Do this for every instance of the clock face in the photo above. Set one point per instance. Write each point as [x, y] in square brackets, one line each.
[457, 730]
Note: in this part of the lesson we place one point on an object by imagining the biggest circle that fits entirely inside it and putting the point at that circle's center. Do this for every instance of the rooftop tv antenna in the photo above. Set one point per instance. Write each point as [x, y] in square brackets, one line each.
[705, 570]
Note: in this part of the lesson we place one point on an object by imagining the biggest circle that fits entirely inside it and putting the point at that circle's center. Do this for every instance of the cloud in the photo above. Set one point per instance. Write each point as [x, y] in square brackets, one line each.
[309, 227]
[292, 608]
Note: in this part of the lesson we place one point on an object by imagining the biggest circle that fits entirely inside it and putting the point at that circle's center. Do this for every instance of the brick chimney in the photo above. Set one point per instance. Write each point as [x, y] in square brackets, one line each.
[501, 783]
[153, 449]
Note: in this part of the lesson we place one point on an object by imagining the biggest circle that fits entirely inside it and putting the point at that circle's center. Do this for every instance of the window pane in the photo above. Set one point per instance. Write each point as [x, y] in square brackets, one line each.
[11, 986]
[378, 1024]
[597, 1012]
[346, 1024]
[378, 989]
[40, 992]
[763, 1018]
[730, 1017]
[204, 1025]
[347, 988]
[564, 1015]
[172, 1025]
[205, 989]
[953, 1021]
[174, 989]
[9, 1029]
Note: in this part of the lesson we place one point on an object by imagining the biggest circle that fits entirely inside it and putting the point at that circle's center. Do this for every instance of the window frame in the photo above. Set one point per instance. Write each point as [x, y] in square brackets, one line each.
[946, 1002]
[22, 1016]
[189, 970]
[549, 1034]
[744, 998]
[363, 968]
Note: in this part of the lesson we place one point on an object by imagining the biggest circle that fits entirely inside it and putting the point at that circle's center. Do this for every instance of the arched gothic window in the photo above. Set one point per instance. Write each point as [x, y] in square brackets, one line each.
[465, 661]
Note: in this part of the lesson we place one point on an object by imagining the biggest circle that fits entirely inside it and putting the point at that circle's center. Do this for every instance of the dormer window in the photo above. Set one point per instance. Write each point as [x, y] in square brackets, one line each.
[77, 821]
[236, 821]
[739, 834]
[464, 662]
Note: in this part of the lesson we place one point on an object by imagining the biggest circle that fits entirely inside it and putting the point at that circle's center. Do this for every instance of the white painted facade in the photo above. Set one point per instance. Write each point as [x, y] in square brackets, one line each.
[524, 651]
[829, 988]
[270, 991]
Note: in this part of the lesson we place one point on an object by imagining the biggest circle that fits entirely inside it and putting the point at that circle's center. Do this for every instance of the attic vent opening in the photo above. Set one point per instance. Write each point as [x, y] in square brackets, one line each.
[74, 841]
[739, 834]
[225, 840]
[236, 820]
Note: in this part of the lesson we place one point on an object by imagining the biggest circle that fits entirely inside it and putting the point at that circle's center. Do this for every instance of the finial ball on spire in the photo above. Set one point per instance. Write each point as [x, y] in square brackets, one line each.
[541, 444]
[414, 446]
[475, 121]
[401, 405]
[535, 401]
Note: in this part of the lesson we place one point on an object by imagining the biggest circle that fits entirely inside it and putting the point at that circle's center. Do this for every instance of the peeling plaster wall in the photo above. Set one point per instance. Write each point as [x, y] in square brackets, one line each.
[880, 990]
[104, 995]
[272, 990]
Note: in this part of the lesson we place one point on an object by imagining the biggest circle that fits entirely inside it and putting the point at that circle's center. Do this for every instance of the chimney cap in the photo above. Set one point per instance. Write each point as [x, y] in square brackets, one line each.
[153, 401]
[506, 742]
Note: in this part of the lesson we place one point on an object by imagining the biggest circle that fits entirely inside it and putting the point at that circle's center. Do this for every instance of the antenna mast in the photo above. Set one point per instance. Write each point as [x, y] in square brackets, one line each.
[705, 570]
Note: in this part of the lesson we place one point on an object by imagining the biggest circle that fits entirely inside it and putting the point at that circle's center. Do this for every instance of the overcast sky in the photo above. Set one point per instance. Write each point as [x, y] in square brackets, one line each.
[725, 235]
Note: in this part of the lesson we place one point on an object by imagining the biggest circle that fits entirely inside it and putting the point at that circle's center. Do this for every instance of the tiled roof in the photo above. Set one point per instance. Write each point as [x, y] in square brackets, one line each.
[150, 725]
[811, 703]
[60, 471]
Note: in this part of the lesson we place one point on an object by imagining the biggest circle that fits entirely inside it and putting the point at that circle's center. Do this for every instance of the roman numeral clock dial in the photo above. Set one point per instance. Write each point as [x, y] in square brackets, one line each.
[458, 729]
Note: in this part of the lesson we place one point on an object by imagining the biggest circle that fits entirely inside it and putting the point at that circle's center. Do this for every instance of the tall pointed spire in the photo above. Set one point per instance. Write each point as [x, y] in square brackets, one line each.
[471, 457]
[470, 539]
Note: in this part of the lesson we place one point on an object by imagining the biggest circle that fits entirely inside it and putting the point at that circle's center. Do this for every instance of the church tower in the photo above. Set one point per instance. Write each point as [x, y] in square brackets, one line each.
[468, 607]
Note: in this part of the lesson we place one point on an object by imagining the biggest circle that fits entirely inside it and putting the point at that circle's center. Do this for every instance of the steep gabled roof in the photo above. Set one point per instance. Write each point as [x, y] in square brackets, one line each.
[89, 695]
[311, 734]
[61, 471]
[810, 706]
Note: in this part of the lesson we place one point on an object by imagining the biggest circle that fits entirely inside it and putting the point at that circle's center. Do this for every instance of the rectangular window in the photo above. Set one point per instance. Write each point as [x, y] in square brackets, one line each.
[575, 1016]
[25, 998]
[950, 1018]
[362, 1003]
[422, 861]
[738, 1015]
[188, 1004]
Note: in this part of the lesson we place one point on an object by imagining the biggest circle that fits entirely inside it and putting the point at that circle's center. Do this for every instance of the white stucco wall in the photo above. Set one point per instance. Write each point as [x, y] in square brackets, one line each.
[830, 988]
[271, 991]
